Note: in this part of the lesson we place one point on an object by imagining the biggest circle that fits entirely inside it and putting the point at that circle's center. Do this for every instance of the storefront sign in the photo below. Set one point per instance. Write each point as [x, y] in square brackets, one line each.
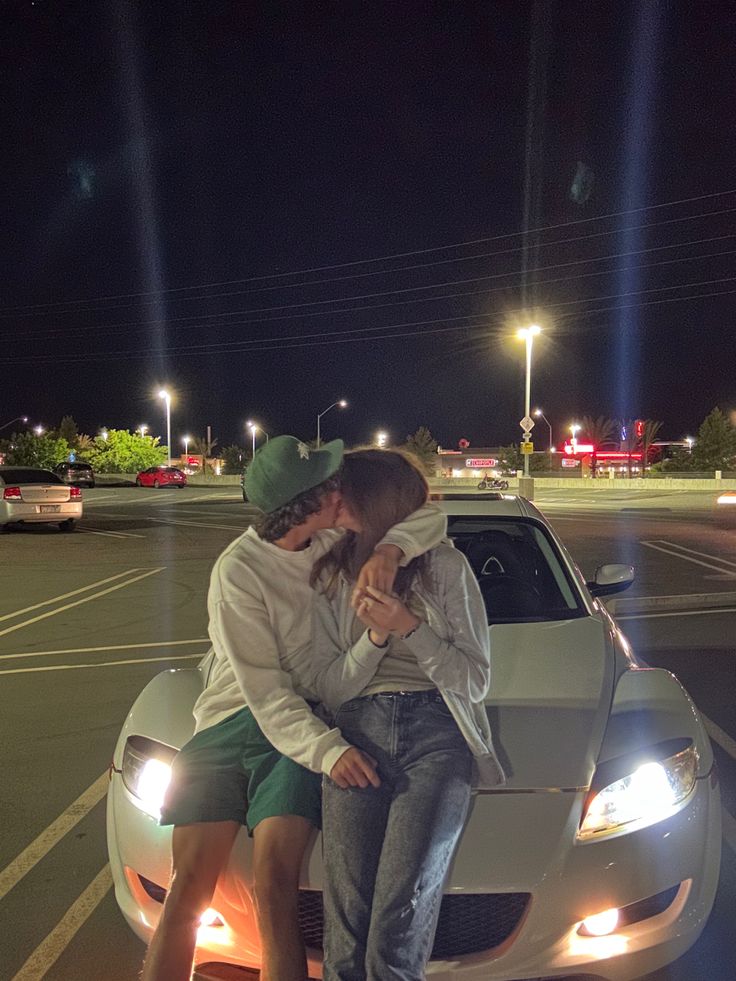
[476, 463]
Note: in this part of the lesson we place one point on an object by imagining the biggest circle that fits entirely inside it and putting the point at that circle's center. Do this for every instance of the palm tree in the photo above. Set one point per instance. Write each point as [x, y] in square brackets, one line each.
[649, 434]
[84, 443]
[598, 432]
[202, 448]
[630, 442]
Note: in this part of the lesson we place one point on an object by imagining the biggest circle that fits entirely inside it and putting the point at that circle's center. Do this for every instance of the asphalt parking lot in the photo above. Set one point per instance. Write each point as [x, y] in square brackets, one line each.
[86, 620]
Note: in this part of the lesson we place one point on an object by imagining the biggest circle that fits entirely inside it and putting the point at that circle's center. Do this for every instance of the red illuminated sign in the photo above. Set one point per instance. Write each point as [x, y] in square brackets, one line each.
[475, 463]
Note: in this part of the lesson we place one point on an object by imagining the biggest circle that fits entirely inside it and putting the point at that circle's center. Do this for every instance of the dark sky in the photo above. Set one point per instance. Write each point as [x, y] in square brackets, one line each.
[270, 206]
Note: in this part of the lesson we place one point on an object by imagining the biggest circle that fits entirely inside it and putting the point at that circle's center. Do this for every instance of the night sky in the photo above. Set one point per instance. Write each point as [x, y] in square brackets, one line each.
[271, 206]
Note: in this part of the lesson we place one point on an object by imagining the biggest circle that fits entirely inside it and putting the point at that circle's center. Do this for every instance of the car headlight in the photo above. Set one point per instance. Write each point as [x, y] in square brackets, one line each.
[653, 787]
[728, 499]
[146, 772]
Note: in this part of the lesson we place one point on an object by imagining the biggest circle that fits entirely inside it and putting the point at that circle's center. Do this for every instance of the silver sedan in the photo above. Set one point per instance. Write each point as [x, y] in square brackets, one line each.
[30, 494]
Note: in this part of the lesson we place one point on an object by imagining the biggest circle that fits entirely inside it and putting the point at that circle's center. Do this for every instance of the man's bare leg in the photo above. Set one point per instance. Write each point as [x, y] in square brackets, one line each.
[199, 854]
[279, 846]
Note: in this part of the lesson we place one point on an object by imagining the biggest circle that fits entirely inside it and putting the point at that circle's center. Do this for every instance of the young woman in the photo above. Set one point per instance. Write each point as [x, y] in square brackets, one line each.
[387, 849]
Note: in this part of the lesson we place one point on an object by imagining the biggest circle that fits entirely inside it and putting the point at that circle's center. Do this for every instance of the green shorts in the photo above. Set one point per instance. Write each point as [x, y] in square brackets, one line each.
[231, 772]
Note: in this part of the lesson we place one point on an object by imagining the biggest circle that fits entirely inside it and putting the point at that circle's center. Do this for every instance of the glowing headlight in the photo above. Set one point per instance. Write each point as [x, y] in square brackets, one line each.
[729, 498]
[652, 792]
[146, 772]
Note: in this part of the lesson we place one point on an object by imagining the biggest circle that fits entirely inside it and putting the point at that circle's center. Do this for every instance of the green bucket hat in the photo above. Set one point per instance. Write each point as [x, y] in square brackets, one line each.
[286, 467]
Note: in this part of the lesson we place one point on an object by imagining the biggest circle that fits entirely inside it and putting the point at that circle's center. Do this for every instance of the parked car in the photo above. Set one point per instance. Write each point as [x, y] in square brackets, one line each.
[31, 495]
[76, 473]
[724, 509]
[162, 476]
[601, 854]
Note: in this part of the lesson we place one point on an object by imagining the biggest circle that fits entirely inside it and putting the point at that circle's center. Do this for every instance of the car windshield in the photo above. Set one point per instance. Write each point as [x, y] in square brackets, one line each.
[27, 475]
[519, 569]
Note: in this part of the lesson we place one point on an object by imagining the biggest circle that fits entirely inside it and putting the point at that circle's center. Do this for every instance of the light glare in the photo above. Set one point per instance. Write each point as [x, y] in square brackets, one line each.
[601, 924]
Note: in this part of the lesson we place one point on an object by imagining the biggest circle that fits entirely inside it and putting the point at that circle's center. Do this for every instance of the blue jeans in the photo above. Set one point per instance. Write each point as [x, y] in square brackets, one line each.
[387, 850]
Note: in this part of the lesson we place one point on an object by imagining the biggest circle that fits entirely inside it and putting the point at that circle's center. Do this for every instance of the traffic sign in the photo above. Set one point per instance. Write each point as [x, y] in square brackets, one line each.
[527, 448]
[527, 424]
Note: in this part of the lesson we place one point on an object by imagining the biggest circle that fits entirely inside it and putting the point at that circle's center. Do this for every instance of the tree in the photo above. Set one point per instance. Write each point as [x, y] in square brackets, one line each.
[649, 434]
[30, 450]
[68, 430]
[424, 447]
[598, 431]
[125, 452]
[510, 458]
[629, 440]
[234, 457]
[715, 447]
[200, 447]
[84, 443]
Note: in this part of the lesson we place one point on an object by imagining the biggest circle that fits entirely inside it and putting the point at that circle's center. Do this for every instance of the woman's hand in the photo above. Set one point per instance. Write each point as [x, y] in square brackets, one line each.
[379, 571]
[384, 614]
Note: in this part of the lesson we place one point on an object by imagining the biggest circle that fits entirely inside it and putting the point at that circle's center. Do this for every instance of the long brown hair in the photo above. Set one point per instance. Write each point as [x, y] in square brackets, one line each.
[382, 488]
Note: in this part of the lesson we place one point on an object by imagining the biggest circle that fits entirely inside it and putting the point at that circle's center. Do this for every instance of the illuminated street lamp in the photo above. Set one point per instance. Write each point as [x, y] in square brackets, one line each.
[38, 430]
[142, 429]
[341, 402]
[253, 428]
[104, 433]
[575, 429]
[689, 440]
[381, 439]
[163, 394]
[528, 334]
[185, 441]
[17, 419]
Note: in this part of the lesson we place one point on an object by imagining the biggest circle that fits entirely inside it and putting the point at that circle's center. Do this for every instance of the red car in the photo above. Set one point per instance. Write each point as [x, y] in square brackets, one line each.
[162, 476]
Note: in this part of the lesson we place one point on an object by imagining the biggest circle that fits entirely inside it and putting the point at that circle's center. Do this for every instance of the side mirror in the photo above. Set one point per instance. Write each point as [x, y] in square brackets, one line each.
[612, 578]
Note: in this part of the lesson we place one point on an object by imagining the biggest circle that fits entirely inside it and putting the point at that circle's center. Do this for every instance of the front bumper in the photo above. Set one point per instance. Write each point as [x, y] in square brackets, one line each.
[511, 832]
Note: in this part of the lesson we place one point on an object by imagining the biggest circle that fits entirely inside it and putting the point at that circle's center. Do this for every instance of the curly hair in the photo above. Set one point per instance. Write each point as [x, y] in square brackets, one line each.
[271, 527]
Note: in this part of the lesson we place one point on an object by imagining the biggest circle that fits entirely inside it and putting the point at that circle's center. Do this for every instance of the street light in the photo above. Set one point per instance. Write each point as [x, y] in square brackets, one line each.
[253, 428]
[38, 430]
[185, 441]
[17, 419]
[341, 402]
[575, 429]
[104, 433]
[381, 439]
[163, 394]
[142, 429]
[690, 440]
[528, 334]
[540, 415]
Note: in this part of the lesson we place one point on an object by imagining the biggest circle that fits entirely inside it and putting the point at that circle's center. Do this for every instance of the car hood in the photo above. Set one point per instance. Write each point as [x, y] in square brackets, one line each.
[551, 691]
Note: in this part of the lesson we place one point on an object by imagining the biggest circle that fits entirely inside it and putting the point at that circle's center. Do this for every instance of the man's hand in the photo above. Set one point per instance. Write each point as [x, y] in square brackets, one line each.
[384, 614]
[379, 571]
[355, 769]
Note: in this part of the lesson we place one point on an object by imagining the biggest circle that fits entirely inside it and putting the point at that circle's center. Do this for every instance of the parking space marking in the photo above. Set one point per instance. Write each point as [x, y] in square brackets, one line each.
[85, 599]
[102, 664]
[705, 555]
[109, 647]
[673, 550]
[54, 945]
[63, 596]
[196, 524]
[110, 534]
[677, 613]
[717, 734]
[42, 845]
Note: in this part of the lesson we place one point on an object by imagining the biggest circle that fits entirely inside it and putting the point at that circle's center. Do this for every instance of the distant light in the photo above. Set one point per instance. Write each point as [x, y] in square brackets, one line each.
[142, 429]
[38, 430]
[381, 439]
[104, 433]
[342, 403]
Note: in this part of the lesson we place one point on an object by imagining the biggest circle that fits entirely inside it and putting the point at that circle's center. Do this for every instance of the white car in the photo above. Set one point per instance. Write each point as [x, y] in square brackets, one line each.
[601, 854]
[31, 495]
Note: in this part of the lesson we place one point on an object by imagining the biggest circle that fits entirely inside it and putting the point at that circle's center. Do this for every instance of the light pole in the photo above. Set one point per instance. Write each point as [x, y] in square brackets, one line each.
[341, 402]
[17, 419]
[528, 334]
[689, 440]
[381, 439]
[142, 429]
[575, 429]
[185, 441]
[163, 394]
[540, 415]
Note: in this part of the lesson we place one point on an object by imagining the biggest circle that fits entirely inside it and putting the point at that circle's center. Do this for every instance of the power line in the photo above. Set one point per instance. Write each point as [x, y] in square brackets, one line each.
[400, 255]
[142, 325]
[268, 344]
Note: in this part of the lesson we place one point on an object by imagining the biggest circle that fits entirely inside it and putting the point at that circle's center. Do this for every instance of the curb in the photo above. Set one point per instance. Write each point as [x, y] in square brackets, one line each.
[687, 601]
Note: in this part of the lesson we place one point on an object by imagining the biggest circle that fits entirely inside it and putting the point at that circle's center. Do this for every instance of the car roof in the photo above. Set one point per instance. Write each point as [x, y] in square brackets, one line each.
[492, 505]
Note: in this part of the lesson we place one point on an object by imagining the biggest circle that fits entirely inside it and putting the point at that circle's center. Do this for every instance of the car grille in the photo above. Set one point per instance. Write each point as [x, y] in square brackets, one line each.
[467, 924]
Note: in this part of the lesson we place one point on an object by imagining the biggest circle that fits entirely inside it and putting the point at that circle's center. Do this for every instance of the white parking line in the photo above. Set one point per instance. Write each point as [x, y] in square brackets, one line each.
[704, 555]
[196, 524]
[109, 647]
[672, 550]
[50, 950]
[110, 534]
[63, 596]
[677, 613]
[102, 664]
[43, 844]
[85, 599]
[719, 736]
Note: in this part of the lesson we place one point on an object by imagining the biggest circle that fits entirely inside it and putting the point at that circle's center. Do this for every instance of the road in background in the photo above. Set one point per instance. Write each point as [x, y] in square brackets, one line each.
[86, 620]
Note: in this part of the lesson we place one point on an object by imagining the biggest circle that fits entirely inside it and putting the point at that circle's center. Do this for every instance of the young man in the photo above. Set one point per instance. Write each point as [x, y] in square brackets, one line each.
[258, 749]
